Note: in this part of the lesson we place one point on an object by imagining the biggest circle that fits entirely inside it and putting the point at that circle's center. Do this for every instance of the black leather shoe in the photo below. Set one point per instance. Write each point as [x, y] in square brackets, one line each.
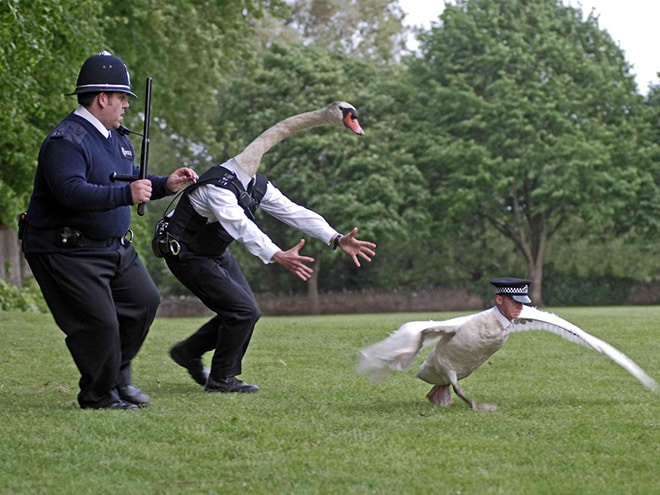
[118, 404]
[134, 395]
[230, 384]
[195, 367]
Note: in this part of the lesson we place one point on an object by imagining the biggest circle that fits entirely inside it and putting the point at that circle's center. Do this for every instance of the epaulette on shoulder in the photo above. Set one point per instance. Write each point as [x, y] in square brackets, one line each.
[69, 130]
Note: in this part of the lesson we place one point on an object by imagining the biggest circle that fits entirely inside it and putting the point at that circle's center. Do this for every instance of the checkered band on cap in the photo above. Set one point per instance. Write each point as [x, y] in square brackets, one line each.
[513, 290]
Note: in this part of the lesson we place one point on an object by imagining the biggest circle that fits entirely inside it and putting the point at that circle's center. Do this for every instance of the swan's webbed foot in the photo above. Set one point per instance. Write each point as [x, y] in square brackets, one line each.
[440, 395]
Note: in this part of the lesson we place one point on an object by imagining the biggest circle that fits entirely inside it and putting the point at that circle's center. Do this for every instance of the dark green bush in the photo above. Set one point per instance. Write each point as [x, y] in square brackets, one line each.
[571, 289]
[27, 298]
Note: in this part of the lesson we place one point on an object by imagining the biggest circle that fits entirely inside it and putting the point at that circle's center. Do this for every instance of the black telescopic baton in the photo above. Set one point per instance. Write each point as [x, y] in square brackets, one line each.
[144, 157]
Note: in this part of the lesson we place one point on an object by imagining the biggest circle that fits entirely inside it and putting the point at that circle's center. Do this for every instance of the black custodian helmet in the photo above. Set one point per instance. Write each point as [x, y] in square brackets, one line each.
[103, 72]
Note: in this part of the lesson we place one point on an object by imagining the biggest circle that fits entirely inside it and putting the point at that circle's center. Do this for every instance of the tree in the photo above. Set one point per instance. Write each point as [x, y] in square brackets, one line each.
[369, 29]
[42, 45]
[538, 115]
[644, 219]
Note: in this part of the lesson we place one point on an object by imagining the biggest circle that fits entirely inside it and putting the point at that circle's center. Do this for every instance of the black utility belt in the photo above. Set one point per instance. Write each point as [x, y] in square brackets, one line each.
[72, 238]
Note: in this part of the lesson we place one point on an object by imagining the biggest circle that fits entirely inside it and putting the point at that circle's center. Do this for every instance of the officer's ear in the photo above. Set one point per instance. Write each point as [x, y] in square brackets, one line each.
[102, 99]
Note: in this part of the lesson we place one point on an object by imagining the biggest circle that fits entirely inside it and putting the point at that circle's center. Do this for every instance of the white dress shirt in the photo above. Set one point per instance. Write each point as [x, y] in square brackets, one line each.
[87, 115]
[217, 204]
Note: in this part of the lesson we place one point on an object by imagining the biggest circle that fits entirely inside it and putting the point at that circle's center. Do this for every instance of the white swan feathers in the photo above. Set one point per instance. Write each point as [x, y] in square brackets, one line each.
[465, 343]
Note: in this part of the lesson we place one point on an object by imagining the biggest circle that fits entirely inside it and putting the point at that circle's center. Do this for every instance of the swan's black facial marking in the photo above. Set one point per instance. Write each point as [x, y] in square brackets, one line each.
[350, 120]
[351, 111]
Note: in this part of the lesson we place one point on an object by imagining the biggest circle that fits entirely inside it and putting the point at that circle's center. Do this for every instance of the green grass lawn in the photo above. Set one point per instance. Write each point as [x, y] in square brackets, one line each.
[570, 421]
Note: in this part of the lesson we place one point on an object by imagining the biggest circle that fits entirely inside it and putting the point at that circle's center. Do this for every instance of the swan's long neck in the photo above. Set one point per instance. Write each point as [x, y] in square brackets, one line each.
[250, 158]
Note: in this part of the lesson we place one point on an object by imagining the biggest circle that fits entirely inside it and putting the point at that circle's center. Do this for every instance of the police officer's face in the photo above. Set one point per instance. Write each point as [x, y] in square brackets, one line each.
[113, 107]
[509, 308]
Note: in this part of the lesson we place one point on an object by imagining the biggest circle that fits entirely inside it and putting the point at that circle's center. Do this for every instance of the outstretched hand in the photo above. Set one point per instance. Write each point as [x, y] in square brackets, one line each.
[180, 178]
[294, 262]
[356, 248]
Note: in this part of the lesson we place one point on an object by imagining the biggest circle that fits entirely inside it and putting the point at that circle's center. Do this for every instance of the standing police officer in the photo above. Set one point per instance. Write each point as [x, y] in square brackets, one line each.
[75, 236]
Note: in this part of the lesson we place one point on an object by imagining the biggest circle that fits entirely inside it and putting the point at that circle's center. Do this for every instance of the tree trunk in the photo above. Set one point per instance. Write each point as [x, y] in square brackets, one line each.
[13, 267]
[536, 292]
[535, 269]
[313, 289]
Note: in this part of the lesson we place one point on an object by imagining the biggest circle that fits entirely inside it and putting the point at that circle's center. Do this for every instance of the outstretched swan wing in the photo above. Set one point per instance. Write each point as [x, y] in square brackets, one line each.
[398, 351]
[534, 319]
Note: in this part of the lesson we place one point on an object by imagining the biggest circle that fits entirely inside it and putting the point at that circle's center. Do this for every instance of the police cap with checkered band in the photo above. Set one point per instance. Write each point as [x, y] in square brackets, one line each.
[516, 288]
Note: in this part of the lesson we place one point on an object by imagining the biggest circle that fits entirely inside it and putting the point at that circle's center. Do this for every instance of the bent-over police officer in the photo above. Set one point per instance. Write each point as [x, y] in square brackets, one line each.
[209, 217]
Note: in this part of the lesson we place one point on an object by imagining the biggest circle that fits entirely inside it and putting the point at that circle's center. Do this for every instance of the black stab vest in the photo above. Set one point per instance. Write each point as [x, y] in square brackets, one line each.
[194, 231]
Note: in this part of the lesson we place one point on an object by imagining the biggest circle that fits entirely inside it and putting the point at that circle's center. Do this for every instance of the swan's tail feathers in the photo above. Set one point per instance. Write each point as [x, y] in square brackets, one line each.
[395, 353]
[533, 319]
[398, 351]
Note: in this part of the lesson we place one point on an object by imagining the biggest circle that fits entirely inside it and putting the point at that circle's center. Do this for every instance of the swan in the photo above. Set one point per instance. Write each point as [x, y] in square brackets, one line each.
[338, 113]
[464, 343]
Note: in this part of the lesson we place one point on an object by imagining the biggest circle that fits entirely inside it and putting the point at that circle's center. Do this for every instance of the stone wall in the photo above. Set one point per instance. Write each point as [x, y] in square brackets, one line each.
[644, 294]
[345, 302]
[440, 299]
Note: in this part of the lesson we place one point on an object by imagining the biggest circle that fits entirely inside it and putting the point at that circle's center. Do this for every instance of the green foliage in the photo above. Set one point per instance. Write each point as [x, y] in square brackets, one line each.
[569, 288]
[42, 45]
[370, 29]
[568, 418]
[574, 251]
[643, 219]
[27, 298]
[539, 122]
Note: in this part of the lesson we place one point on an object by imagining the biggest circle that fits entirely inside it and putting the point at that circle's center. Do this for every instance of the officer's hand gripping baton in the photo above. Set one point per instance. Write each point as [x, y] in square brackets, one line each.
[144, 156]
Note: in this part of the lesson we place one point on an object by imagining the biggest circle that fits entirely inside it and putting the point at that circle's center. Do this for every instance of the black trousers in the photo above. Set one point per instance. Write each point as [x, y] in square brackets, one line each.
[220, 284]
[104, 302]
